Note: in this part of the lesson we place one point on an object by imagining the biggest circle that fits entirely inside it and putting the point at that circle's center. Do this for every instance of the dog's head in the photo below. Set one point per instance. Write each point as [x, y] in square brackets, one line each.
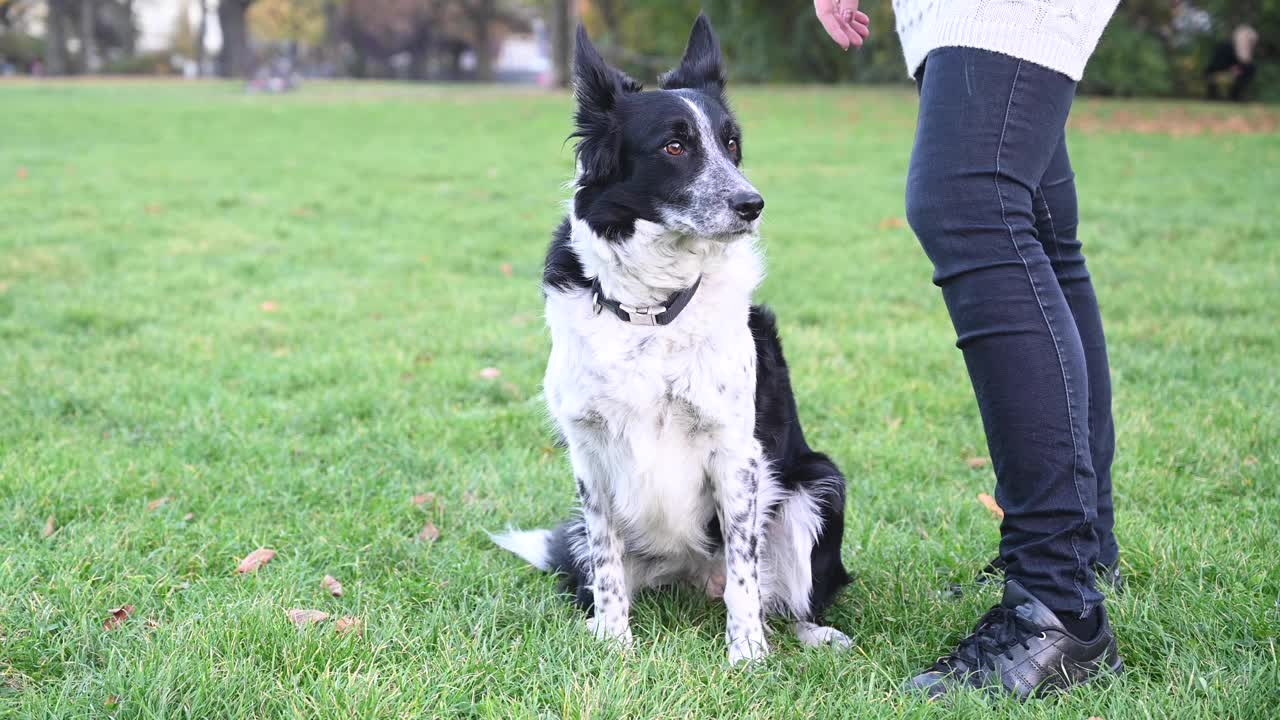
[669, 156]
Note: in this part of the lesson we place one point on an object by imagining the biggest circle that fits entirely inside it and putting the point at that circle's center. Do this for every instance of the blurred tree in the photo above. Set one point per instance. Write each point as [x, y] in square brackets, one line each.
[234, 59]
[183, 38]
[560, 17]
[57, 60]
[202, 29]
[301, 22]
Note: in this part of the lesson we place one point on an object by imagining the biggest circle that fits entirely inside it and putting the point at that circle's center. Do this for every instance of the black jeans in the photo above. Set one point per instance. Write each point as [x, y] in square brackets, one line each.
[991, 197]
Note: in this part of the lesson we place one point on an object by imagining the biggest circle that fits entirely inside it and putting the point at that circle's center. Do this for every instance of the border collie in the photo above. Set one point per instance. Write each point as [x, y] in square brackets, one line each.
[668, 386]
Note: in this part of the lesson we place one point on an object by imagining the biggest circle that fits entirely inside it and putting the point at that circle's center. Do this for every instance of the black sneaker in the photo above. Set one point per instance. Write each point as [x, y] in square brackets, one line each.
[1020, 647]
[1108, 575]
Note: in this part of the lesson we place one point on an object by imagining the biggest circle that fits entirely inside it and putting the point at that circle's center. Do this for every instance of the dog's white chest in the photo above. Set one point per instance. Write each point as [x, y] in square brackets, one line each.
[657, 404]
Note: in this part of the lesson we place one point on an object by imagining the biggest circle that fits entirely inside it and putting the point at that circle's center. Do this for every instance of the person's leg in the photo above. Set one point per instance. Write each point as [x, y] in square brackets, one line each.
[989, 126]
[988, 130]
[1241, 82]
[1057, 222]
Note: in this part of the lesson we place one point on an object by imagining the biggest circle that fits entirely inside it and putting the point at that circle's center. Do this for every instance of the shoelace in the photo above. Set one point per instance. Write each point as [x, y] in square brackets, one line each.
[996, 634]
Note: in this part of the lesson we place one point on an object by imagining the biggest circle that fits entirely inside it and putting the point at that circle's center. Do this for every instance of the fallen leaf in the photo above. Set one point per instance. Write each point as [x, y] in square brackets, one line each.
[895, 423]
[469, 498]
[268, 306]
[990, 504]
[892, 223]
[424, 499]
[1250, 461]
[429, 532]
[49, 527]
[157, 502]
[255, 560]
[490, 373]
[111, 701]
[151, 623]
[506, 269]
[189, 517]
[153, 209]
[348, 624]
[1095, 717]
[331, 584]
[22, 173]
[302, 618]
[977, 462]
[118, 616]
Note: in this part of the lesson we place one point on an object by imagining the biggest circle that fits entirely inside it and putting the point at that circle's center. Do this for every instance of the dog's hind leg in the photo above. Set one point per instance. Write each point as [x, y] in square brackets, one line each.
[815, 635]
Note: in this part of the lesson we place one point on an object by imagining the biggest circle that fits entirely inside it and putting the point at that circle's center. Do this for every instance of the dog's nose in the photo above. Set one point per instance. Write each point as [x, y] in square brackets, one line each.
[747, 204]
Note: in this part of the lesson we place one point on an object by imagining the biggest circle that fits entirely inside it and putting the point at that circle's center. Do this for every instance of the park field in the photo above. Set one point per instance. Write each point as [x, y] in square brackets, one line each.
[230, 322]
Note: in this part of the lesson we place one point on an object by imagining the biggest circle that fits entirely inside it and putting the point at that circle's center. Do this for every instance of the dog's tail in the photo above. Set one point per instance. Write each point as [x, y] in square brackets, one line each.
[561, 551]
[532, 545]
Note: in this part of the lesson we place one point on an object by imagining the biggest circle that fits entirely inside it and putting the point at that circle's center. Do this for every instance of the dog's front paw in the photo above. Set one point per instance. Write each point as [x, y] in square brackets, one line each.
[747, 648]
[612, 632]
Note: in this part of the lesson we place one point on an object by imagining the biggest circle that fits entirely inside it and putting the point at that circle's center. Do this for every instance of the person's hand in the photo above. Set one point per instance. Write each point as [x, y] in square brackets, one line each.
[843, 21]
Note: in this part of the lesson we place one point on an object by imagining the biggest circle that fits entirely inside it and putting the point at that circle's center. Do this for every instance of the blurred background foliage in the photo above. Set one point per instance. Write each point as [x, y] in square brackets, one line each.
[1151, 47]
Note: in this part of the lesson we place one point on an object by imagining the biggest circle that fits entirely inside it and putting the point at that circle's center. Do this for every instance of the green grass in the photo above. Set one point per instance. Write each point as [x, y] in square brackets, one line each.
[145, 227]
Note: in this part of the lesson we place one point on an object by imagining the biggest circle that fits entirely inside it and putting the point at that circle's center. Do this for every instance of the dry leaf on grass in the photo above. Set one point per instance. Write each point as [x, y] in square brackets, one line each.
[255, 560]
[490, 373]
[469, 498]
[977, 462]
[111, 701]
[331, 584]
[158, 502]
[895, 423]
[424, 499]
[153, 209]
[348, 624]
[189, 517]
[429, 533]
[303, 618]
[118, 616]
[990, 504]
[1250, 461]
[150, 624]
[22, 173]
[892, 223]
[506, 269]
[49, 527]
[268, 306]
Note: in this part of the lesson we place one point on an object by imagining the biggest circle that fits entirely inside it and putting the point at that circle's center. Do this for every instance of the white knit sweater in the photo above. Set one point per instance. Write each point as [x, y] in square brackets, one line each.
[1057, 34]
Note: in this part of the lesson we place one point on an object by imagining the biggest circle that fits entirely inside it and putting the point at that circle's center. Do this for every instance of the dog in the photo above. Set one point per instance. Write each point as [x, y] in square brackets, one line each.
[668, 386]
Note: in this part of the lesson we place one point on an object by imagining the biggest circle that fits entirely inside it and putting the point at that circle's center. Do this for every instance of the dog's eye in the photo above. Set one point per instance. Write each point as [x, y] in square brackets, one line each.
[674, 148]
[733, 146]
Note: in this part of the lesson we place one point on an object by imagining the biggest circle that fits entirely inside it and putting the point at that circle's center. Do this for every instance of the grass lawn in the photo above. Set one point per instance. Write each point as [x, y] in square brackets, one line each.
[229, 322]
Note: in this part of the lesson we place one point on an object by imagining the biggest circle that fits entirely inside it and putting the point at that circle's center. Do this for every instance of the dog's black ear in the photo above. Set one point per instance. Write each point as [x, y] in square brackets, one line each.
[701, 68]
[597, 88]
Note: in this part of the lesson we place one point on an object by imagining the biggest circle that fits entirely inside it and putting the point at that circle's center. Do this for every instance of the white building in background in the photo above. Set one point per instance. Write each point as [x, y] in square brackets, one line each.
[156, 19]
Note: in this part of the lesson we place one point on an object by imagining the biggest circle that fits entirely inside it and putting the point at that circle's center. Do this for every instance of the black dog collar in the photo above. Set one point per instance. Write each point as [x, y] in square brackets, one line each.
[662, 314]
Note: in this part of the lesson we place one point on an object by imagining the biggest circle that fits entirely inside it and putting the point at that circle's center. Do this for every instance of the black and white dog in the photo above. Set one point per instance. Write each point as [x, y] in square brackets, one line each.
[668, 385]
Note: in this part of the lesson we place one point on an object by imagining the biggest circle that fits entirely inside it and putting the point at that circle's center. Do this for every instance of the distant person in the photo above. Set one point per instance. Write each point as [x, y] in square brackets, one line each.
[1235, 57]
[992, 198]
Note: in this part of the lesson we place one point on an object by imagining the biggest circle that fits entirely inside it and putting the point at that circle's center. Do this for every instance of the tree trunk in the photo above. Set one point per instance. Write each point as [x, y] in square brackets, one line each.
[90, 60]
[55, 46]
[233, 59]
[483, 18]
[201, 29]
[561, 41]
